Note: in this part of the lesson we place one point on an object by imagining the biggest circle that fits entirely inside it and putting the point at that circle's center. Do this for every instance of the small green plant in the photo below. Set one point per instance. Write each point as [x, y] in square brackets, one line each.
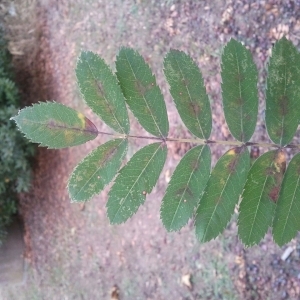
[15, 151]
[270, 197]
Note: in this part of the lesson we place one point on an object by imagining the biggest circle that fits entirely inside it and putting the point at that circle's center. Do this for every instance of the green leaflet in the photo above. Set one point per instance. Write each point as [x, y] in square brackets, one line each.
[101, 91]
[239, 90]
[283, 92]
[142, 94]
[96, 170]
[259, 196]
[55, 125]
[135, 180]
[189, 93]
[222, 193]
[286, 221]
[185, 188]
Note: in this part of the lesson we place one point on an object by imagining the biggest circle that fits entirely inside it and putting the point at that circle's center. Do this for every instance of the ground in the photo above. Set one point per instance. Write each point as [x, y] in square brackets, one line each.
[72, 251]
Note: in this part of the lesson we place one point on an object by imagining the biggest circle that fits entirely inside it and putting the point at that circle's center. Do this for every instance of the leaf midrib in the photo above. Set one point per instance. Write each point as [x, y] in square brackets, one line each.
[185, 189]
[283, 117]
[190, 98]
[104, 162]
[292, 202]
[149, 109]
[60, 126]
[135, 182]
[256, 211]
[210, 219]
[240, 91]
[107, 102]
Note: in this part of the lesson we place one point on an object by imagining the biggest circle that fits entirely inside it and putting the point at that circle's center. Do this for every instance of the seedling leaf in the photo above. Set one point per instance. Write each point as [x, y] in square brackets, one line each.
[142, 95]
[286, 221]
[283, 92]
[54, 125]
[260, 196]
[134, 181]
[185, 188]
[222, 193]
[239, 90]
[96, 170]
[188, 91]
[101, 91]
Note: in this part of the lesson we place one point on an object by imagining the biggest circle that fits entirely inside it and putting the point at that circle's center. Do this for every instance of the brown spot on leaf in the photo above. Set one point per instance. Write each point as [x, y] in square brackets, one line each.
[195, 165]
[239, 77]
[218, 200]
[240, 101]
[232, 164]
[100, 89]
[109, 109]
[147, 110]
[109, 153]
[254, 153]
[280, 166]
[184, 190]
[52, 124]
[236, 150]
[270, 171]
[280, 162]
[142, 88]
[279, 132]
[90, 127]
[298, 171]
[185, 82]
[248, 117]
[273, 194]
[276, 171]
[194, 108]
[283, 105]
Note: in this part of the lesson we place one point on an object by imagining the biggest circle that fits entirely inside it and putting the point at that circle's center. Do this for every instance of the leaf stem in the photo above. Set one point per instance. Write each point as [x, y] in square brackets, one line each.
[200, 141]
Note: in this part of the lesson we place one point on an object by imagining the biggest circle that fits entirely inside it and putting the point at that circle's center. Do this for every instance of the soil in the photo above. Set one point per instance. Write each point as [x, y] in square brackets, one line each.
[73, 251]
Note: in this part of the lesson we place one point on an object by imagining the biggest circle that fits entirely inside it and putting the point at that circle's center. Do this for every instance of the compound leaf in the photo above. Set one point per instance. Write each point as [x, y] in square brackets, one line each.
[239, 90]
[188, 91]
[222, 193]
[185, 188]
[96, 170]
[286, 221]
[55, 125]
[260, 196]
[101, 91]
[134, 181]
[142, 95]
[283, 92]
